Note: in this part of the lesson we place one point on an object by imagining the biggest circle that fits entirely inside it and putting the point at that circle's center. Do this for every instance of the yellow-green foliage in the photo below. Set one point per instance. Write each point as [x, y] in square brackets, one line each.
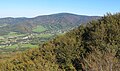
[94, 47]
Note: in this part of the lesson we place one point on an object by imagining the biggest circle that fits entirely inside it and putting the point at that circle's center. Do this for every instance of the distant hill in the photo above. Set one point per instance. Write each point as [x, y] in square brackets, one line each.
[93, 47]
[60, 21]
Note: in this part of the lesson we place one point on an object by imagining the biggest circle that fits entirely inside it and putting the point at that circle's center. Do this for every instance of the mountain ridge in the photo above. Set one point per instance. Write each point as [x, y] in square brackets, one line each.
[49, 15]
[59, 21]
[57, 14]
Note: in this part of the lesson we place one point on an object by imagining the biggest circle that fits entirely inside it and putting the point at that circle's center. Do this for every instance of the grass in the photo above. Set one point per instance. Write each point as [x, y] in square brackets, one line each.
[29, 45]
[13, 34]
[1, 37]
[22, 46]
[45, 35]
[12, 46]
[39, 29]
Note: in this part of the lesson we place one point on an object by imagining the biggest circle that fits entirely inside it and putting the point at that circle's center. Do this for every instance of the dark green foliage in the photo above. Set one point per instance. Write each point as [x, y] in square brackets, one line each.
[94, 47]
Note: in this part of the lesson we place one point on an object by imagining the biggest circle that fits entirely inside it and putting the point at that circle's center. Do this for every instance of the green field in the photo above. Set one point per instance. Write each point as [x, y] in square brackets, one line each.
[22, 46]
[13, 34]
[13, 46]
[45, 35]
[39, 29]
[1, 37]
[29, 45]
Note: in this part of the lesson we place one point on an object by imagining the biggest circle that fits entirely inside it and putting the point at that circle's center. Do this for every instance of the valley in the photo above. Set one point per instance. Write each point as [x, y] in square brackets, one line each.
[19, 42]
[20, 34]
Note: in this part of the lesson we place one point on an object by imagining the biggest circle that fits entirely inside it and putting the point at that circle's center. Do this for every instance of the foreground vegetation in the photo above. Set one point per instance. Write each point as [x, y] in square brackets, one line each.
[94, 47]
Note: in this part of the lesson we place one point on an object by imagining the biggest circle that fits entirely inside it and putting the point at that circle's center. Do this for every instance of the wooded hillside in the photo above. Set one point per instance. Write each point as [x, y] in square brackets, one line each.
[94, 47]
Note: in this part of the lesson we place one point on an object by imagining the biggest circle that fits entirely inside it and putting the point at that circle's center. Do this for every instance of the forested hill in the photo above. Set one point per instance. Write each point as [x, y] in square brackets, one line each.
[60, 21]
[61, 18]
[94, 47]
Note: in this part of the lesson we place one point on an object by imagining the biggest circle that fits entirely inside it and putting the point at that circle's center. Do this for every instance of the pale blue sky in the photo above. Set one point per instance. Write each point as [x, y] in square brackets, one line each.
[32, 8]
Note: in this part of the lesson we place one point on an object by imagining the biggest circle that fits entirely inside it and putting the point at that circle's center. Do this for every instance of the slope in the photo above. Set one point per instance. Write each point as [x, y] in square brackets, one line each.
[94, 47]
[60, 21]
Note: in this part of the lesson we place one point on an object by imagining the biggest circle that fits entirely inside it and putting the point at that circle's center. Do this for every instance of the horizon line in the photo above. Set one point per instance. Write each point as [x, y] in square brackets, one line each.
[48, 14]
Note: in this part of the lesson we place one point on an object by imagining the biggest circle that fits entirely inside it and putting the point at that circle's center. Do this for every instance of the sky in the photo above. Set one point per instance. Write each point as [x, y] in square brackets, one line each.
[32, 8]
